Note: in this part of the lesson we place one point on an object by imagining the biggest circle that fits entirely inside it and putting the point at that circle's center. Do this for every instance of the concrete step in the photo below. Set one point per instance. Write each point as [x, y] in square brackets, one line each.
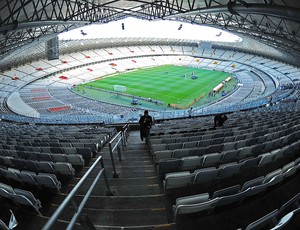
[132, 190]
[119, 202]
[121, 217]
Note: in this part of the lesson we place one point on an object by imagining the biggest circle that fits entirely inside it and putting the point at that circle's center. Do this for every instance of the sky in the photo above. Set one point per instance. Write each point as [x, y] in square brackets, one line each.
[143, 28]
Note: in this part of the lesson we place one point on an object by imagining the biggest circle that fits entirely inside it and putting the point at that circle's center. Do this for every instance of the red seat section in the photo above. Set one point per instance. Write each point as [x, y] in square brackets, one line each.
[38, 90]
[63, 77]
[41, 98]
[61, 108]
[15, 78]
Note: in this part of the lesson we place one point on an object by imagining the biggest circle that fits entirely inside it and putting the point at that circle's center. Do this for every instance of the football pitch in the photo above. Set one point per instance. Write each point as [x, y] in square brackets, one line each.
[179, 86]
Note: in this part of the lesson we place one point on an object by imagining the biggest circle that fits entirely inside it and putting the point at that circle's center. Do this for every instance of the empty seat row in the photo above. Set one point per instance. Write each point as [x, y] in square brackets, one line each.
[212, 175]
[279, 218]
[95, 146]
[55, 132]
[20, 197]
[27, 178]
[74, 159]
[217, 137]
[245, 147]
[230, 142]
[58, 168]
[86, 152]
[246, 155]
[56, 139]
[249, 121]
[203, 203]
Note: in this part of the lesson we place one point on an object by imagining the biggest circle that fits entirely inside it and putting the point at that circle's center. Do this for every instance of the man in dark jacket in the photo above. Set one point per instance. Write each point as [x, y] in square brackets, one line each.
[145, 125]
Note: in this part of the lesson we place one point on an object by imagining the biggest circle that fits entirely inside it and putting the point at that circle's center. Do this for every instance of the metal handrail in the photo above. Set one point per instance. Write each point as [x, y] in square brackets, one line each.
[125, 132]
[69, 198]
[112, 147]
[120, 137]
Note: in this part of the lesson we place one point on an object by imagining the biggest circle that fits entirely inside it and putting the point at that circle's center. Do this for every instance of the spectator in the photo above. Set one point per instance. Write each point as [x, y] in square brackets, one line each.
[190, 111]
[145, 125]
[219, 120]
[270, 100]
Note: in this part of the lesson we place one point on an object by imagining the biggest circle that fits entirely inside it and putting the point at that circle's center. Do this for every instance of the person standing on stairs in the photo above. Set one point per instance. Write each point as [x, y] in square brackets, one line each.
[145, 125]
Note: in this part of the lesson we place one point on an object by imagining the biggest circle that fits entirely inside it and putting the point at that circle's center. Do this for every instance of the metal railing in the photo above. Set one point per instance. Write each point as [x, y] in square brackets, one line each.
[78, 208]
[119, 139]
[125, 133]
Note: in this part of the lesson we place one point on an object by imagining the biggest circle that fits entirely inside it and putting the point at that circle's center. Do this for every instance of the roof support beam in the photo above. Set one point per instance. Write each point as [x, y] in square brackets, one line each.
[28, 25]
[284, 12]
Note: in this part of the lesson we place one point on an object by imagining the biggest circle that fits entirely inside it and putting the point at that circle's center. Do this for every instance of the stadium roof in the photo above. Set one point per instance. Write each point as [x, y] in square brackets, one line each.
[134, 28]
[275, 22]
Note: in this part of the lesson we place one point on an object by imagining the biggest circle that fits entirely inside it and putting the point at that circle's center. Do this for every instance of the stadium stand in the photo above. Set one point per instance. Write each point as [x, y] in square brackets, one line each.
[260, 83]
[202, 171]
[56, 140]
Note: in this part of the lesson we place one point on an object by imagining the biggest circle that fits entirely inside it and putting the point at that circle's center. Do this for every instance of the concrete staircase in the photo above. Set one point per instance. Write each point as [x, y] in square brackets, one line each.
[138, 200]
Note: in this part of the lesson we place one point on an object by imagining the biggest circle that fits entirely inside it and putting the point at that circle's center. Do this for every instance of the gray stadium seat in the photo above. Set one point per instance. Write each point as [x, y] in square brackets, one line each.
[179, 153]
[49, 181]
[192, 144]
[59, 157]
[253, 182]
[236, 198]
[6, 187]
[204, 143]
[201, 207]
[168, 165]
[257, 189]
[266, 159]
[230, 156]
[85, 152]
[173, 146]
[75, 159]
[178, 180]
[290, 205]
[64, 169]
[226, 191]
[206, 176]
[158, 155]
[245, 152]
[70, 150]
[213, 159]
[45, 166]
[230, 170]
[11, 174]
[284, 221]
[191, 162]
[271, 175]
[27, 178]
[267, 221]
[35, 202]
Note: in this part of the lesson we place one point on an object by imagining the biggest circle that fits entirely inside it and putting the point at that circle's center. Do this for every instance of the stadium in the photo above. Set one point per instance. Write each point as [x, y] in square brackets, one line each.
[76, 77]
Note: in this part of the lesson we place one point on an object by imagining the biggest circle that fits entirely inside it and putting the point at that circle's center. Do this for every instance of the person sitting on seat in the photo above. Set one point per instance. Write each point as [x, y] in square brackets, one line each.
[219, 120]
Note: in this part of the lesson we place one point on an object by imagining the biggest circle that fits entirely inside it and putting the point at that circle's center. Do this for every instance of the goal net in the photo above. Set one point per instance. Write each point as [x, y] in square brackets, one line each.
[120, 88]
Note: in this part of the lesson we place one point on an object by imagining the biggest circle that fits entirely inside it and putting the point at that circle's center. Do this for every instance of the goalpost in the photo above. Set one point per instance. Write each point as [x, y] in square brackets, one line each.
[120, 88]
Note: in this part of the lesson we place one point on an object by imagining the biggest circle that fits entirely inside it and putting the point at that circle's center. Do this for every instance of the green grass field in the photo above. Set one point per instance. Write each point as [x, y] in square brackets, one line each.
[168, 84]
